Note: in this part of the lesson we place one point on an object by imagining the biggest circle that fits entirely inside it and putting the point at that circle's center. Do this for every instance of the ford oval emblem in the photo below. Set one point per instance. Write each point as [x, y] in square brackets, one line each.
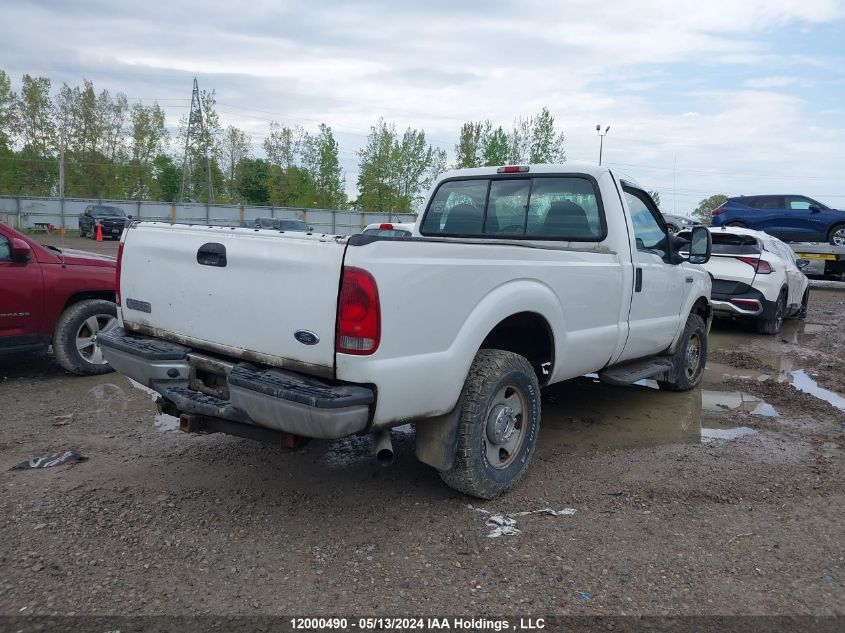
[306, 337]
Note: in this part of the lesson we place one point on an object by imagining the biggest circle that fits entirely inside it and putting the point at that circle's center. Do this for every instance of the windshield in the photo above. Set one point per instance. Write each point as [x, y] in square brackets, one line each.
[107, 212]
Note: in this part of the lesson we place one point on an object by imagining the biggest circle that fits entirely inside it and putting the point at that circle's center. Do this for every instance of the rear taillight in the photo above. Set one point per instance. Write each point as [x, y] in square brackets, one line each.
[358, 314]
[718, 211]
[761, 266]
[117, 272]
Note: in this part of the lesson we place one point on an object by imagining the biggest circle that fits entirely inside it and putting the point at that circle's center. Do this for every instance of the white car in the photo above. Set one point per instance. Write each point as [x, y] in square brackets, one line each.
[756, 276]
[389, 229]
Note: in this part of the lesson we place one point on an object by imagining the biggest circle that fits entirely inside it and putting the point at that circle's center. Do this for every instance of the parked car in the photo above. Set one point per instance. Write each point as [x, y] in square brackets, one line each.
[283, 225]
[677, 223]
[756, 276]
[111, 219]
[389, 229]
[514, 277]
[791, 218]
[64, 298]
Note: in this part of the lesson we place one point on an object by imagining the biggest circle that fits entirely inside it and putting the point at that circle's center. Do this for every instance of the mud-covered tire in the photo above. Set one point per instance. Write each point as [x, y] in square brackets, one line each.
[805, 303]
[495, 379]
[689, 360]
[74, 338]
[772, 323]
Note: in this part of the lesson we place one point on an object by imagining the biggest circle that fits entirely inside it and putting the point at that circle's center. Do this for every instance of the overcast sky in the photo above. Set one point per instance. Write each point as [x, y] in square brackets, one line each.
[702, 97]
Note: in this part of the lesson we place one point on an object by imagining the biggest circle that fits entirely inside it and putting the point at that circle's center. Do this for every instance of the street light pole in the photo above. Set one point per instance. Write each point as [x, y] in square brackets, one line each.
[601, 139]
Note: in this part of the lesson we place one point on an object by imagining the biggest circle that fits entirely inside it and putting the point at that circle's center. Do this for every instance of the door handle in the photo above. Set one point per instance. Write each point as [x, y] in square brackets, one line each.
[638, 280]
[212, 254]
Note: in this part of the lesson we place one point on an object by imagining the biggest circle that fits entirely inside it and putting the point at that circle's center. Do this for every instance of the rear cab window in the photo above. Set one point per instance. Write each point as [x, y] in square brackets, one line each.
[541, 207]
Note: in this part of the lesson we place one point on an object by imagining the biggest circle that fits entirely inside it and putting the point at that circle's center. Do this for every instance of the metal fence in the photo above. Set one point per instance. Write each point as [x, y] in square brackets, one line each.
[27, 212]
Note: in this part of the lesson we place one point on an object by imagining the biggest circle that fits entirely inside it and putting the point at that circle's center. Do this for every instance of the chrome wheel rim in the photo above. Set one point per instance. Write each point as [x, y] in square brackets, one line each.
[504, 430]
[86, 337]
[839, 236]
[779, 310]
[692, 360]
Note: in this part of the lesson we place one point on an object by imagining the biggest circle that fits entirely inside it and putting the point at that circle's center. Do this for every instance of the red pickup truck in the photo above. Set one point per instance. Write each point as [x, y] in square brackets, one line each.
[63, 298]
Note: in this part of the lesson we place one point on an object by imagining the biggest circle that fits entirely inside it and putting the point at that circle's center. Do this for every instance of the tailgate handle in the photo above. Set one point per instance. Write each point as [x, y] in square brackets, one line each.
[212, 254]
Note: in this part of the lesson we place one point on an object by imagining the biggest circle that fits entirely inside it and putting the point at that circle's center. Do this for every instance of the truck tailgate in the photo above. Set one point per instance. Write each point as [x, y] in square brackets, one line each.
[240, 292]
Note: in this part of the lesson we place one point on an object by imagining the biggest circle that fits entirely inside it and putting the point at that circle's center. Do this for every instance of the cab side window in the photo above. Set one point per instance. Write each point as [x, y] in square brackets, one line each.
[5, 250]
[649, 233]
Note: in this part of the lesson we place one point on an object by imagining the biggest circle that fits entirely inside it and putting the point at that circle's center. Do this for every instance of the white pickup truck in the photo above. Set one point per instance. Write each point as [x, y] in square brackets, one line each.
[514, 278]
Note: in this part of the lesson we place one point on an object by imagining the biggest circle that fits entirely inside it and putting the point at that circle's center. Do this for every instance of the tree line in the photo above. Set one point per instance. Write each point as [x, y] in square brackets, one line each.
[111, 149]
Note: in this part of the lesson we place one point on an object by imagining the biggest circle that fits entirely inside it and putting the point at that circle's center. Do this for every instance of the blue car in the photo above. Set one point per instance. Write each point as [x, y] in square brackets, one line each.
[789, 218]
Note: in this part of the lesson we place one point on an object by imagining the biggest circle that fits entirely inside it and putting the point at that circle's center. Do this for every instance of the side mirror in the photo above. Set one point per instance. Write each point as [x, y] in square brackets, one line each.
[128, 217]
[701, 243]
[21, 251]
[802, 263]
[814, 209]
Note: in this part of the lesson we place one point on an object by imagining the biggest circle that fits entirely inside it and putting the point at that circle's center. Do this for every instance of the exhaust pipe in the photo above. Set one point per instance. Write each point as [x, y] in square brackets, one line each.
[384, 448]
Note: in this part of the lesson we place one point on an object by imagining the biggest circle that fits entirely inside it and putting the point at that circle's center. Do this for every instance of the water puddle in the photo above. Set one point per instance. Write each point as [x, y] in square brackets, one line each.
[720, 401]
[803, 382]
[713, 435]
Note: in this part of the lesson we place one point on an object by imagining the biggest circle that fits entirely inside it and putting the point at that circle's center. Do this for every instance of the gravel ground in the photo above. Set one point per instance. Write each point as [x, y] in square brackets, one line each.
[726, 500]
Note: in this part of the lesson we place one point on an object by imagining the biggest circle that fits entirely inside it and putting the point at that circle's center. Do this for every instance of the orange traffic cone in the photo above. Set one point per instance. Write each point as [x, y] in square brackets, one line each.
[99, 232]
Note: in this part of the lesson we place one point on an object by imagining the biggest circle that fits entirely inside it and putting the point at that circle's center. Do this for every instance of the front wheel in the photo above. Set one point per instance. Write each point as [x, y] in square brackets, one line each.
[498, 425]
[689, 360]
[837, 235]
[75, 337]
[805, 302]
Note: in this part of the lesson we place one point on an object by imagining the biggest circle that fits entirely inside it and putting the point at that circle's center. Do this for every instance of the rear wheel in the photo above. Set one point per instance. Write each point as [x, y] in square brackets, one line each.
[772, 323]
[75, 337]
[837, 235]
[805, 301]
[498, 426]
[689, 360]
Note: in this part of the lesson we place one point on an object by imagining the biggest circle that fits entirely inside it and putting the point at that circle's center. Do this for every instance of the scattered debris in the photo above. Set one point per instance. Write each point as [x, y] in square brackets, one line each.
[62, 420]
[586, 597]
[739, 536]
[549, 511]
[504, 524]
[48, 460]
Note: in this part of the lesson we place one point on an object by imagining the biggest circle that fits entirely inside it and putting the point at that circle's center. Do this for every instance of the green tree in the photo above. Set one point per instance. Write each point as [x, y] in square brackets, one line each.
[469, 150]
[148, 139]
[8, 112]
[39, 169]
[253, 181]
[167, 179]
[519, 142]
[321, 160]
[393, 172]
[545, 144]
[9, 163]
[703, 212]
[495, 147]
[236, 147]
[655, 195]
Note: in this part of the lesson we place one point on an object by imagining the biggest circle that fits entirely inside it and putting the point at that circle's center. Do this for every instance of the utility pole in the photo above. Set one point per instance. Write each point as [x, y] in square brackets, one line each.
[601, 138]
[196, 138]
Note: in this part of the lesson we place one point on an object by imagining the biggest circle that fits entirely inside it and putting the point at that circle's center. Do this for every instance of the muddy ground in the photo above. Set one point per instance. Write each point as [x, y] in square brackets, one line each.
[726, 500]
